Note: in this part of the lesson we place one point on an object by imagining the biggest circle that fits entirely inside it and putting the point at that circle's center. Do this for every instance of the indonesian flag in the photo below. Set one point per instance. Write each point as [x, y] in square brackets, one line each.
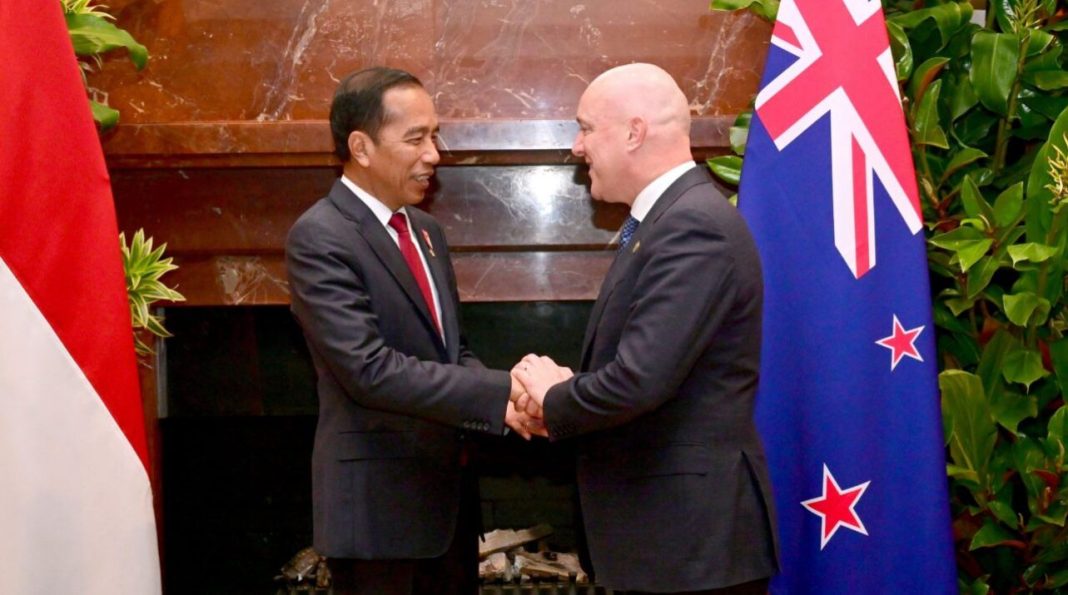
[75, 500]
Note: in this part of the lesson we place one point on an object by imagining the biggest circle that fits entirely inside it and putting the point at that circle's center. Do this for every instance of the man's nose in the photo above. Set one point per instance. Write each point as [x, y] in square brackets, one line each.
[431, 155]
[576, 147]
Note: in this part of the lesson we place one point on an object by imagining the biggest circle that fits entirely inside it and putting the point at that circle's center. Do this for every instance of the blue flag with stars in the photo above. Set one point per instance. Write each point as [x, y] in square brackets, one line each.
[848, 405]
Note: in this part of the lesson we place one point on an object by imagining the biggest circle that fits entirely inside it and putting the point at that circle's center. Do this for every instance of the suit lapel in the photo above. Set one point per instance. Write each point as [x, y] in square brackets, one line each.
[384, 248]
[623, 259]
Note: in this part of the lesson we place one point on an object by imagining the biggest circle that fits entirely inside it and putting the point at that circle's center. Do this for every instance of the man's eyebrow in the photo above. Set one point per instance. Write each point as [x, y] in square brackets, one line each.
[421, 130]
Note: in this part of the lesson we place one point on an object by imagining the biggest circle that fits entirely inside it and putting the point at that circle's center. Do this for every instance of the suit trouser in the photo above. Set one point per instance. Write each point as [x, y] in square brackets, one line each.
[453, 573]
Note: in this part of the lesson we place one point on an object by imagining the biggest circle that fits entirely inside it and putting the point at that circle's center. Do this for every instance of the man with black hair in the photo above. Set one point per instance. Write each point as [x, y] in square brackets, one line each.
[375, 293]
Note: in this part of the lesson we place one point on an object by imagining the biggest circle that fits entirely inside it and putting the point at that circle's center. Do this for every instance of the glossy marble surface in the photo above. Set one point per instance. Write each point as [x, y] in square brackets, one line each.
[516, 233]
[227, 60]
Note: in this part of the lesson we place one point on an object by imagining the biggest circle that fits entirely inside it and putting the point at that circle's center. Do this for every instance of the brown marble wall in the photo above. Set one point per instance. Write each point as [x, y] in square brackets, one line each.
[223, 140]
[264, 61]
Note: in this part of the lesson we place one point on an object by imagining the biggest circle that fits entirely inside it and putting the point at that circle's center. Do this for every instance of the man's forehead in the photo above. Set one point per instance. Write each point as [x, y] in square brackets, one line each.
[409, 111]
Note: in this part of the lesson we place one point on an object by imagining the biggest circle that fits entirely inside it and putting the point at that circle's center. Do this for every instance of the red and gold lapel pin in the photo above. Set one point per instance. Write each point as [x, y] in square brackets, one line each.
[429, 244]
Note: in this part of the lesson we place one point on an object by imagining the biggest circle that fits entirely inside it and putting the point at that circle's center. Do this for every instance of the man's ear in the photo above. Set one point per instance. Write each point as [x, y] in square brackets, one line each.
[637, 128]
[360, 146]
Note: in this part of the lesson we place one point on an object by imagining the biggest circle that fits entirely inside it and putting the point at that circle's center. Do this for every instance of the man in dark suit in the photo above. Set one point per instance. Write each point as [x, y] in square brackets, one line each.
[671, 472]
[374, 291]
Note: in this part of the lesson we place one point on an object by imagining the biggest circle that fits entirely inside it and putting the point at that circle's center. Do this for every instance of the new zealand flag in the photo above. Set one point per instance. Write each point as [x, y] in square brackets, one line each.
[848, 404]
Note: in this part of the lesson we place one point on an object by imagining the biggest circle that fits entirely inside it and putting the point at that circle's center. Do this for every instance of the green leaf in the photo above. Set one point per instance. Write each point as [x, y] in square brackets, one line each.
[971, 253]
[994, 58]
[1057, 579]
[948, 18]
[992, 359]
[1047, 105]
[92, 35]
[105, 116]
[1023, 366]
[739, 133]
[1010, 408]
[766, 9]
[924, 75]
[952, 240]
[963, 157]
[972, 199]
[969, 427]
[1009, 205]
[1058, 425]
[978, 587]
[962, 97]
[1003, 510]
[1049, 80]
[960, 473]
[1030, 252]
[1020, 306]
[901, 49]
[926, 128]
[1038, 42]
[1050, 60]
[727, 168]
[976, 127]
[1058, 353]
[1039, 213]
[991, 534]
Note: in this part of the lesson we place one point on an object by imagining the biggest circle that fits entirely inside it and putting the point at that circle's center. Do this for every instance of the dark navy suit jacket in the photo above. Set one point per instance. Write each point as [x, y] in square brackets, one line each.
[392, 397]
[671, 473]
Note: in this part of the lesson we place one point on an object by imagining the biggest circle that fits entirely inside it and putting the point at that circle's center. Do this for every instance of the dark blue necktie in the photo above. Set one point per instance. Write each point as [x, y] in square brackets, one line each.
[628, 229]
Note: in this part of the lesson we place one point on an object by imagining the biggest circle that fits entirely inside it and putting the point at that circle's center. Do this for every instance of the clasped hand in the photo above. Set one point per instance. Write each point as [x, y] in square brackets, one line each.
[532, 378]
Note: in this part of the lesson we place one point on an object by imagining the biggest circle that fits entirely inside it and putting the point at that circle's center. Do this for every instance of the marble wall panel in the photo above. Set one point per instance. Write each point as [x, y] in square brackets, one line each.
[281, 60]
[516, 232]
[249, 211]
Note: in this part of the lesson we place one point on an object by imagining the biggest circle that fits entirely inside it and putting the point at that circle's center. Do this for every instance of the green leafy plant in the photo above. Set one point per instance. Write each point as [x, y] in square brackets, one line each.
[144, 266]
[93, 34]
[985, 98]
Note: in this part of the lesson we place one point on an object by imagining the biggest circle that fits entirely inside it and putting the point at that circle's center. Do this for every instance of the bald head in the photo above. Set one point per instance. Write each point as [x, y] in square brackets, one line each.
[634, 125]
[643, 91]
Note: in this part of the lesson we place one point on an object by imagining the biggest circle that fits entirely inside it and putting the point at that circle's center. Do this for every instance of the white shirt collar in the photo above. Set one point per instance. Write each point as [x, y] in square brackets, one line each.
[648, 196]
[380, 210]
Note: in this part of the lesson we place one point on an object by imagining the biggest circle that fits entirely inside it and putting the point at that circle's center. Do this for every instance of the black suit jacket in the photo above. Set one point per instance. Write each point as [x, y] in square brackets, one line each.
[392, 396]
[671, 472]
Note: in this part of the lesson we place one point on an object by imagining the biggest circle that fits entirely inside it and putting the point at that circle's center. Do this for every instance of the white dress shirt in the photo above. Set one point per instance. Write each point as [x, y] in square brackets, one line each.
[645, 200]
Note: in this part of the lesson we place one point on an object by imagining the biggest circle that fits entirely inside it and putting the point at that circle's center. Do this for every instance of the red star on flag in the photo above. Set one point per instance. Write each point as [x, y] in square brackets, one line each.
[836, 508]
[901, 343]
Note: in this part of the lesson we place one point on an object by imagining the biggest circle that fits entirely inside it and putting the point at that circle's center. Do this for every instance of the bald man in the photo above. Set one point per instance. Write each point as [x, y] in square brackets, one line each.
[671, 472]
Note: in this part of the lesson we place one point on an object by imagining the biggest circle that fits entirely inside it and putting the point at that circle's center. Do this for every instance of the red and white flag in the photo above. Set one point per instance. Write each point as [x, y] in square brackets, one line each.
[76, 510]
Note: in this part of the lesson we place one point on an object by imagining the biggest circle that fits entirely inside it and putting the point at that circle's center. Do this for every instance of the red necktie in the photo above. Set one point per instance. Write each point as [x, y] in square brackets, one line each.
[411, 255]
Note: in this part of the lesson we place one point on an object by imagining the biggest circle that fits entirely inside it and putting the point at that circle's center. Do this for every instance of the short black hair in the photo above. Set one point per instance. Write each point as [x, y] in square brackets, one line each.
[357, 104]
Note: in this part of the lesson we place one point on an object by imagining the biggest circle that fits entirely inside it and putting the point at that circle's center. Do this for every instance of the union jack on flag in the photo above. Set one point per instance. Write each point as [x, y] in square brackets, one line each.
[848, 401]
[844, 68]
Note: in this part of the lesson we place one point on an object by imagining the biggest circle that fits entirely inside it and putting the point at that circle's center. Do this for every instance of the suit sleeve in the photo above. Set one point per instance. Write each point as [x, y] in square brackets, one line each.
[332, 304]
[683, 293]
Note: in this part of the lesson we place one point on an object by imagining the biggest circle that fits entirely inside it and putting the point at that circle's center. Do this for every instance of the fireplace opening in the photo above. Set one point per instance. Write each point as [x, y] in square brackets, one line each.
[237, 419]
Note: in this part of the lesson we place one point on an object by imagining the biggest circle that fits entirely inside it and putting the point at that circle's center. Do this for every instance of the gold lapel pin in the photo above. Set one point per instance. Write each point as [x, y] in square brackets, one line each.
[637, 245]
[429, 244]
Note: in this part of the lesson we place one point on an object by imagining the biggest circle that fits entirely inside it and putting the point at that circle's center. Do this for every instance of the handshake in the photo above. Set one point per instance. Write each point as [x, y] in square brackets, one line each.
[532, 377]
